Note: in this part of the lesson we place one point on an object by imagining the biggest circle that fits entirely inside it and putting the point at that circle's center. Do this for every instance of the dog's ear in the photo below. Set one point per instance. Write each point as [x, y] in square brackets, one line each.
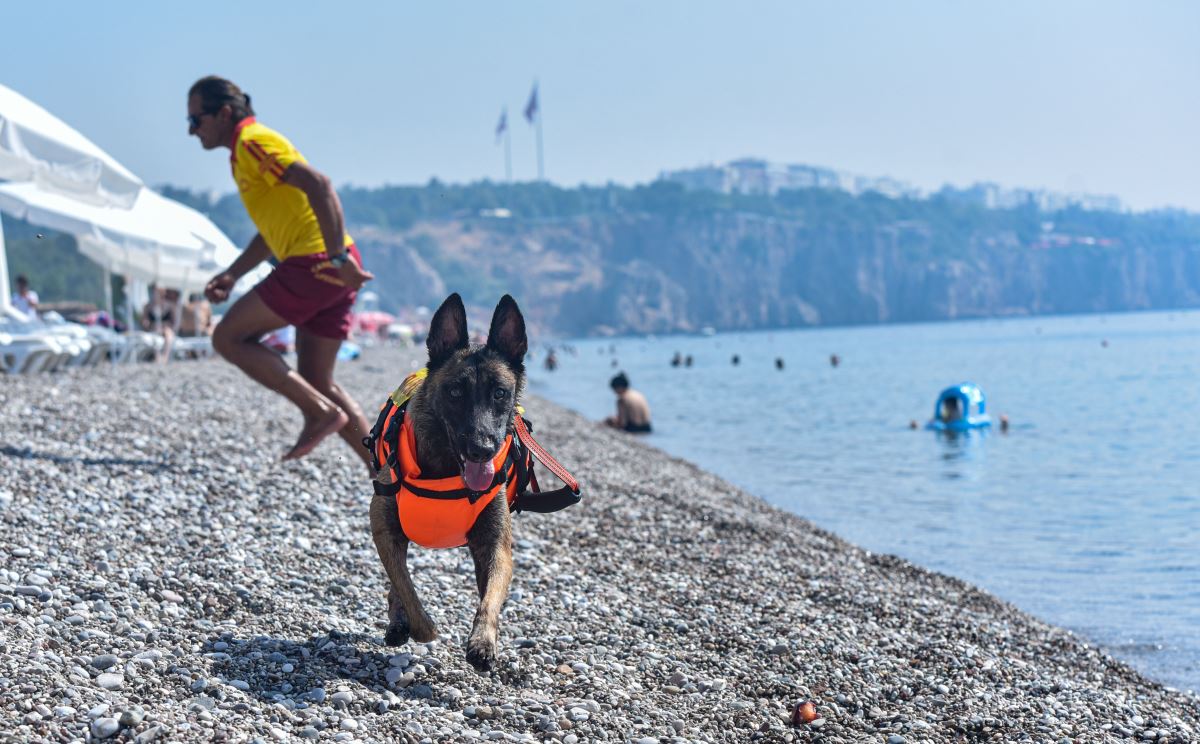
[507, 334]
[447, 330]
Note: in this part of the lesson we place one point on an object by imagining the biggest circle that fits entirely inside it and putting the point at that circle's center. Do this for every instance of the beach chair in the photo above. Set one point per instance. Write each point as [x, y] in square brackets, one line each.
[22, 354]
[103, 341]
[192, 347]
[69, 340]
[145, 346]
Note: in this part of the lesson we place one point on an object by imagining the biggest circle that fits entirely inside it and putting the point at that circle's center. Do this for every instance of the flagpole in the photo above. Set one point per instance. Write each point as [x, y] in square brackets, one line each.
[541, 172]
[507, 156]
[533, 115]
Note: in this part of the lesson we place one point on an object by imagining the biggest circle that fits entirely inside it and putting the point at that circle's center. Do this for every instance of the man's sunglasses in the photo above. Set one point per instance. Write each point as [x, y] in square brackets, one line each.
[194, 119]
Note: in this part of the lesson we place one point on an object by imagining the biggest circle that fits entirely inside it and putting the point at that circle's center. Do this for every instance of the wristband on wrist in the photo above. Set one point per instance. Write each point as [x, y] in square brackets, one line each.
[340, 259]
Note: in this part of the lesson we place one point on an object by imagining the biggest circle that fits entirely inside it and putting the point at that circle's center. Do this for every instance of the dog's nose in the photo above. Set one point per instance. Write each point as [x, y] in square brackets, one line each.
[480, 448]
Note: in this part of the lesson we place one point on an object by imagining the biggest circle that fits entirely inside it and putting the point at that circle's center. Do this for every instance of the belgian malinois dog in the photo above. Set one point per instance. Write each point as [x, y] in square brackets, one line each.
[460, 417]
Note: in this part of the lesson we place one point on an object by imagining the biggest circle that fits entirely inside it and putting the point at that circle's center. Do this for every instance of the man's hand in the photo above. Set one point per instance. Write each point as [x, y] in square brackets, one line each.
[218, 288]
[354, 275]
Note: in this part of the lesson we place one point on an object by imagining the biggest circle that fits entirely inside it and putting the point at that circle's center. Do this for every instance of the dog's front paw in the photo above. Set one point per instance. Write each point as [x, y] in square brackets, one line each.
[397, 633]
[423, 631]
[481, 653]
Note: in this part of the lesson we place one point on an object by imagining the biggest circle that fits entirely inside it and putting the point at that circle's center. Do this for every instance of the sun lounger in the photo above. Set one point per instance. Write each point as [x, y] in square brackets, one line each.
[192, 347]
[27, 354]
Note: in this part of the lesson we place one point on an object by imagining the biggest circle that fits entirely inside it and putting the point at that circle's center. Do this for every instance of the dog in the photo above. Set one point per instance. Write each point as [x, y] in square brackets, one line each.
[459, 418]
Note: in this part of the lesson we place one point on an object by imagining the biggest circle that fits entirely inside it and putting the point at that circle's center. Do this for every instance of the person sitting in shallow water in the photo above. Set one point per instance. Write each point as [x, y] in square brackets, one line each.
[633, 412]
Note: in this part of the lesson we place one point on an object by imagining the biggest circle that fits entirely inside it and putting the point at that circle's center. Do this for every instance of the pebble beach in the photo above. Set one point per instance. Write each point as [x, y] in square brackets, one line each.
[164, 577]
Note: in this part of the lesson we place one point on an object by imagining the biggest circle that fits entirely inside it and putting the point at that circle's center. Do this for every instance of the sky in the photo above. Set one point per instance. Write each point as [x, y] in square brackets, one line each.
[1097, 97]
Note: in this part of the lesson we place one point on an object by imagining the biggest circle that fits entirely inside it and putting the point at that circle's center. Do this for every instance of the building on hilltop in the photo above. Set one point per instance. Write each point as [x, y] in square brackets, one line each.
[994, 196]
[753, 176]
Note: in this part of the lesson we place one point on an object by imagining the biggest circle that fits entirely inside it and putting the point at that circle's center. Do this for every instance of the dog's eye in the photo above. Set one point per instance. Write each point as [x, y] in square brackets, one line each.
[500, 394]
[456, 391]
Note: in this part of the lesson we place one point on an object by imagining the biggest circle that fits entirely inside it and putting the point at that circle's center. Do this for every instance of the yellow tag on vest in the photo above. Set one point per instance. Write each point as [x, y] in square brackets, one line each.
[401, 394]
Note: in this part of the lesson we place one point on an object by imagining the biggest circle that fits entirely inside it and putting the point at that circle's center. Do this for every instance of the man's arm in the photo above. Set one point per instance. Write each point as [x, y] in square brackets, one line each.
[328, 208]
[255, 253]
[219, 287]
[622, 413]
[324, 202]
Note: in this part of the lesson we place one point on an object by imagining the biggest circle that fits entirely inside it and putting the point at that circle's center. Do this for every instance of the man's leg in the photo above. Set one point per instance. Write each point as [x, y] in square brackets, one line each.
[236, 339]
[316, 357]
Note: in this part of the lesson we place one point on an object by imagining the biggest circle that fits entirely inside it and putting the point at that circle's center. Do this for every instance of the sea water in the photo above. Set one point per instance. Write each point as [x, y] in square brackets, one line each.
[1086, 513]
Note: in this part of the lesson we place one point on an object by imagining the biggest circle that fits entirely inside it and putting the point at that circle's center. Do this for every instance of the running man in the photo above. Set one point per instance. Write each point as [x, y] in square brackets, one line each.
[314, 283]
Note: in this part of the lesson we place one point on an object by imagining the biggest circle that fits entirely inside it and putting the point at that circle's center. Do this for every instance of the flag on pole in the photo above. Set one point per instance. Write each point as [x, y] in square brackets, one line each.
[531, 108]
[502, 125]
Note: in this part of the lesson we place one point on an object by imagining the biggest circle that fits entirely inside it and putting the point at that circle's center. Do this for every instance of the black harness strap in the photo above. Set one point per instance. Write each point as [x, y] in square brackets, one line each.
[545, 502]
[392, 437]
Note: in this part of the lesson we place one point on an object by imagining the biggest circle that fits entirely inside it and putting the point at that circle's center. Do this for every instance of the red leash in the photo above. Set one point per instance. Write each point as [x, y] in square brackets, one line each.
[543, 456]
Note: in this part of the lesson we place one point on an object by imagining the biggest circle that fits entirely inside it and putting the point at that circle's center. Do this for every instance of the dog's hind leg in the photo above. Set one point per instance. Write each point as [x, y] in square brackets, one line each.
[490, 541]
[406, 615]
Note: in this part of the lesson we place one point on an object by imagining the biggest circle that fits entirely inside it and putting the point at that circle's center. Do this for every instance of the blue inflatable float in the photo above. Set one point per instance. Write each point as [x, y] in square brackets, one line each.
[960, 408]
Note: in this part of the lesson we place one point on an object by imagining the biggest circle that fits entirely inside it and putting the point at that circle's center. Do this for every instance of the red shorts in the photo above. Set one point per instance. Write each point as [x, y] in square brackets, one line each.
[307, 292]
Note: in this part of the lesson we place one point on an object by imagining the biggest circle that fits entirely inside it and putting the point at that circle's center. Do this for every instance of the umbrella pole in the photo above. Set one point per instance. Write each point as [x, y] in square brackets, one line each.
[108, 307]
[128, 309]
[5, 300]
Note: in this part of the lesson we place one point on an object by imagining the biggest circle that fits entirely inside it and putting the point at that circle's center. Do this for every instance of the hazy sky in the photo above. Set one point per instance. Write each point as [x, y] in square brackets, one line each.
[1071, 96]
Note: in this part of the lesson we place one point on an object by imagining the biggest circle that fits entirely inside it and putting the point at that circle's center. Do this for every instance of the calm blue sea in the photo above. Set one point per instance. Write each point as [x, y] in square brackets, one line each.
[1086, 514]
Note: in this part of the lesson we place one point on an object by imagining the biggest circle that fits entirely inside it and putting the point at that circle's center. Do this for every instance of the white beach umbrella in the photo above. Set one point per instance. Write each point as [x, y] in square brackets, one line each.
[158, 239]
[37, 146]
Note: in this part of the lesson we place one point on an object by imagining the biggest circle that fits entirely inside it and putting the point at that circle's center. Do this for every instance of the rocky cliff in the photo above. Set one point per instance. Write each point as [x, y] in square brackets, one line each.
[656, 258]
[653, 273]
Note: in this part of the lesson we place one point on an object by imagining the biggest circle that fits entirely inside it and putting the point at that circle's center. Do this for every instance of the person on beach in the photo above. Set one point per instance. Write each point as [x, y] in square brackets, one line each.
[158, 316]
[25, 299]
[318, 272]
[633, 412]
[196, 317]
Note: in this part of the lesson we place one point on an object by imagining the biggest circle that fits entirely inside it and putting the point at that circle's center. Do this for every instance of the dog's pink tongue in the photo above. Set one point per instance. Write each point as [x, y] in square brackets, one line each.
[478, 475]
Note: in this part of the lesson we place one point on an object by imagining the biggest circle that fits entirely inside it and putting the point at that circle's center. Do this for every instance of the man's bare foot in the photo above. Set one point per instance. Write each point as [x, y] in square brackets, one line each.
[315, 430]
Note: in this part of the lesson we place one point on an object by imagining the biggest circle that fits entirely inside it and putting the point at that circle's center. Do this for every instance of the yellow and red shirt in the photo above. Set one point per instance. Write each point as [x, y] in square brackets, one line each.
[260, 156]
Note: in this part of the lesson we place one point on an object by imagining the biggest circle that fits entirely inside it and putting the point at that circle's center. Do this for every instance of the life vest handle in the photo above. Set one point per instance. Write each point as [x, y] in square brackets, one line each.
[542, 455]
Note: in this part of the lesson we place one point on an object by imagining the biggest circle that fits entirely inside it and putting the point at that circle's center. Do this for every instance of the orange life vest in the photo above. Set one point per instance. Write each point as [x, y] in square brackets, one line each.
[439, 512]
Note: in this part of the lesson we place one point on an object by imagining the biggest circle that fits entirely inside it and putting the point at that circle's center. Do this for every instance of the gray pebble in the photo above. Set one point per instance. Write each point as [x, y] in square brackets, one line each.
[104, 661]
[131, 718]
[102, 728]
[110, 681]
